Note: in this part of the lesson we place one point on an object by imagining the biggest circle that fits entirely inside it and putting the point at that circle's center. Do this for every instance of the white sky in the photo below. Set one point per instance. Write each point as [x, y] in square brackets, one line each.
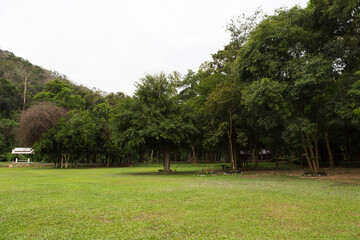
[110, 45]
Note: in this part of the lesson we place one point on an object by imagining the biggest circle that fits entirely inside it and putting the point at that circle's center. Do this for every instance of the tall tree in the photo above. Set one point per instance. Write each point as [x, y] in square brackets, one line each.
[267, 109]
[160, 108]
[222, 109]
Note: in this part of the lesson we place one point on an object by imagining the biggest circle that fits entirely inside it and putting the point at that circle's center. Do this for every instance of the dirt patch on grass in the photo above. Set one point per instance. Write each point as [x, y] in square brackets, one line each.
[346, 176]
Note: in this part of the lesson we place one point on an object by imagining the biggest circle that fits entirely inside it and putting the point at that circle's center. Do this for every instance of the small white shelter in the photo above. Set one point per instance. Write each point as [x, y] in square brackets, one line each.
[25, 151]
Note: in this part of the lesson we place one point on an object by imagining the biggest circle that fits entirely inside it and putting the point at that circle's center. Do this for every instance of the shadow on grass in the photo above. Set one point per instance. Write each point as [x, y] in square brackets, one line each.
[198, 171]
[177, 173]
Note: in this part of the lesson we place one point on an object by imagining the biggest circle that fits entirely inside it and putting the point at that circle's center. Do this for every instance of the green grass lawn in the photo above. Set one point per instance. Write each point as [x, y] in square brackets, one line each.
[139, 203]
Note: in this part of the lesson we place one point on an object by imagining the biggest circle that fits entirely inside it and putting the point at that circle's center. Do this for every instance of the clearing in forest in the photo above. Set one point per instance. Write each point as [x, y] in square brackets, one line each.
[141, 203]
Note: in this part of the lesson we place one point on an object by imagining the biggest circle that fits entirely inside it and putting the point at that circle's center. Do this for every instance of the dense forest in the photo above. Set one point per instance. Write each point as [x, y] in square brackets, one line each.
[287, 85]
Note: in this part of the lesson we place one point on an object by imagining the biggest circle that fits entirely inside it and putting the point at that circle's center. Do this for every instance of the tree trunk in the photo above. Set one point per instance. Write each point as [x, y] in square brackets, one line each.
[62, 161]
[277, 161]
[255, 158]
[316, 142]
[313, 158]
[166, 160]
[194, 153]
[66, 162]
[331, 159]
[25, 83]
[310, 146]
[231, 154]
[152, 156]
[189, 157]
[231, 151]
[307, 155]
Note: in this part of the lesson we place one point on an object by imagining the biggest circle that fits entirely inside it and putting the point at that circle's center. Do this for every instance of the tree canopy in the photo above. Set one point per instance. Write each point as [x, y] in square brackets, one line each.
[287, 83]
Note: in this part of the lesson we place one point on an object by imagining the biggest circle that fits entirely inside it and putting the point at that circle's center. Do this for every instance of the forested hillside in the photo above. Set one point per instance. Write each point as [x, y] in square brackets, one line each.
[287, 83]
[15, 72]
[20, 82]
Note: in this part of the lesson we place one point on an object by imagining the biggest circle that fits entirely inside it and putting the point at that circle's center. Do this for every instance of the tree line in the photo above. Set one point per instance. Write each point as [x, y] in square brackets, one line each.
[287, 82]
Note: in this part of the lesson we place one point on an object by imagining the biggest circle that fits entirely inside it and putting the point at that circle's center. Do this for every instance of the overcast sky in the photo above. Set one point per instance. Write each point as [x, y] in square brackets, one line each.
[111, 44]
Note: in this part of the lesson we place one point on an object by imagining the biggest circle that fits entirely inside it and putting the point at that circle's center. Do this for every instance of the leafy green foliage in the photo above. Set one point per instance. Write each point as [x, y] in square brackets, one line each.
[60, 93]
[75, 135]
[355, 93]
[284, 82]
[8, 101]
[7, 126]
[127, 126]
[265, 99]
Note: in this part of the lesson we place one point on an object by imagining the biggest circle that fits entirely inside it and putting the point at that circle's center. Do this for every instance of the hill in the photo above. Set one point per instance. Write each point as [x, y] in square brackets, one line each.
[20, 81]
[15, 72]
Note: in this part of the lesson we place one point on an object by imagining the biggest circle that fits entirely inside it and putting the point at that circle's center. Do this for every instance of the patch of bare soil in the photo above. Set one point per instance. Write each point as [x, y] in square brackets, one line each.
[343, 175]
[351, 176]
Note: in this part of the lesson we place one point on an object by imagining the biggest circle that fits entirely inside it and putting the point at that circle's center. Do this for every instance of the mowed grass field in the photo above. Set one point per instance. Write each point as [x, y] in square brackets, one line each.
[140, 203]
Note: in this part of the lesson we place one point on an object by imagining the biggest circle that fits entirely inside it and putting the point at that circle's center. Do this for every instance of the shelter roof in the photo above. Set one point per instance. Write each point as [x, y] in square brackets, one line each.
[23, 151]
